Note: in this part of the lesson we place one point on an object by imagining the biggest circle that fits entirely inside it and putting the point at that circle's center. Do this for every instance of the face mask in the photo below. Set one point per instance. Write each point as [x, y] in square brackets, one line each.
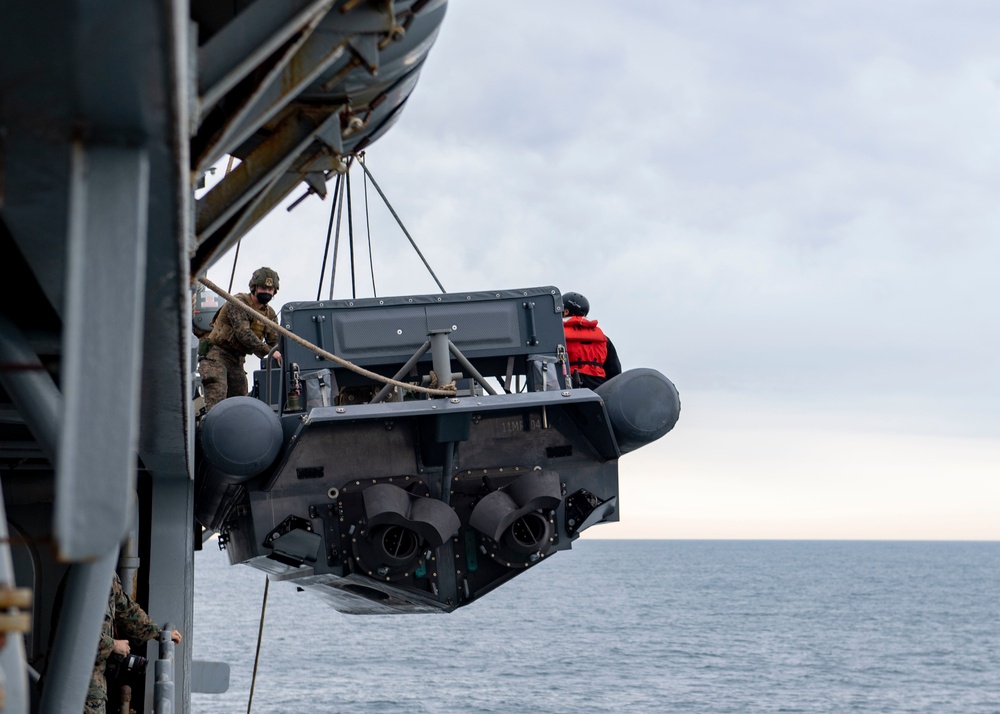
[264, 298]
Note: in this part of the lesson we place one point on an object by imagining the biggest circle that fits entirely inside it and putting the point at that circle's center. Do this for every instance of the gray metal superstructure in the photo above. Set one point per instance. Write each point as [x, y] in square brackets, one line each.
[110, 113]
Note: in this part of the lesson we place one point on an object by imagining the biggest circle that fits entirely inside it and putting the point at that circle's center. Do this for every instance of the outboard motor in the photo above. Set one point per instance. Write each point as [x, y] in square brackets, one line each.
[515, 518]
[401, 526]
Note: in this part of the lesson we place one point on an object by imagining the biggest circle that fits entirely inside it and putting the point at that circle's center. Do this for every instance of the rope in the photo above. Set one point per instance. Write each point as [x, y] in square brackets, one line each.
[447, 391]
[260, 633]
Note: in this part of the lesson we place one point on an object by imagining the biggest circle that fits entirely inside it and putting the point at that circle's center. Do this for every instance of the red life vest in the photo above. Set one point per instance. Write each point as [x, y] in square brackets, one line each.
[586, 346]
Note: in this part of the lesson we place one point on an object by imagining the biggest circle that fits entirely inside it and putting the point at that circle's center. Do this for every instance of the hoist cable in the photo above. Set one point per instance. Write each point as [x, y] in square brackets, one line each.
[236, 258]
[329, 233]
[400, 222]
[350, 236]
[336, 237]
[368, 227]
[232, 275]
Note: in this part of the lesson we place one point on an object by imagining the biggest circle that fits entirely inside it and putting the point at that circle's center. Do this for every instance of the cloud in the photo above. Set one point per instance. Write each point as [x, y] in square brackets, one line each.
[789, 204]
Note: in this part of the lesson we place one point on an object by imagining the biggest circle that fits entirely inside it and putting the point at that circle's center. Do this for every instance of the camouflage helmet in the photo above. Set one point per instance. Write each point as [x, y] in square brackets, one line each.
[264, 278]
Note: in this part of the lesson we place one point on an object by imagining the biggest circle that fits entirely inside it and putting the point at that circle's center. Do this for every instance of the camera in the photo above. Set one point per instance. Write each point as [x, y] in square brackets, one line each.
[125, 666]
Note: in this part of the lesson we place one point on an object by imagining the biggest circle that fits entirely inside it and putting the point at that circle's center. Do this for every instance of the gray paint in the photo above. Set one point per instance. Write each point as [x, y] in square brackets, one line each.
[95, 473]
[103, 108]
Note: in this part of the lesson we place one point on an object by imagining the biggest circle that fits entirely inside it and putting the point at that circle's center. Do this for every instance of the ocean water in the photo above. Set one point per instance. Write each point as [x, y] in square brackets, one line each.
[635, 626]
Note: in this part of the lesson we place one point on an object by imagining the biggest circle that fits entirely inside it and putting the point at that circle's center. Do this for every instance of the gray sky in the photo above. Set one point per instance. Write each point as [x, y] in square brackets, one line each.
[787, 208]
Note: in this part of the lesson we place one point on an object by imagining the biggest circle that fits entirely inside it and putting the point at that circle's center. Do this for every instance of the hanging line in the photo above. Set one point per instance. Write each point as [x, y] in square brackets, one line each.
[336, 234]
[236, 257]
[329, 232]
[229, 167]
[405, 232]
[260, 633]
[350, 236]
[368, 226]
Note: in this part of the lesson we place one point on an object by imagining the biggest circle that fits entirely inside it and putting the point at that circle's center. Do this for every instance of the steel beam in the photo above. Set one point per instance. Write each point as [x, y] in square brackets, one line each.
[171, 573]
[88, 586]
[248, 40]
[105, 287]
[301, 65]
[257, 171]
[263, 203]
[30, 387]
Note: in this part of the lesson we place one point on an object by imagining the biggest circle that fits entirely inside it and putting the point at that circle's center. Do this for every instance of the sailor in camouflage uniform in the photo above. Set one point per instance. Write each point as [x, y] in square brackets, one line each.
[124, 618]
[235, 335]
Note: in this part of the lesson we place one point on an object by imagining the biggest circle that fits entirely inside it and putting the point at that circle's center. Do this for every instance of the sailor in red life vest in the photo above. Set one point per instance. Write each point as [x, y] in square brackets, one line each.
[593, 359]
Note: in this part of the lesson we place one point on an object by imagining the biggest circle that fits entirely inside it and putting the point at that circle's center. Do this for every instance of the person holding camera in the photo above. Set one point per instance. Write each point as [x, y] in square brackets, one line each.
[123, 617]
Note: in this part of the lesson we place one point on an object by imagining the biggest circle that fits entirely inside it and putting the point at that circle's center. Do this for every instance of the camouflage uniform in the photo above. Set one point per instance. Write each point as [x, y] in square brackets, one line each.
[234, 335]
[131, 622]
